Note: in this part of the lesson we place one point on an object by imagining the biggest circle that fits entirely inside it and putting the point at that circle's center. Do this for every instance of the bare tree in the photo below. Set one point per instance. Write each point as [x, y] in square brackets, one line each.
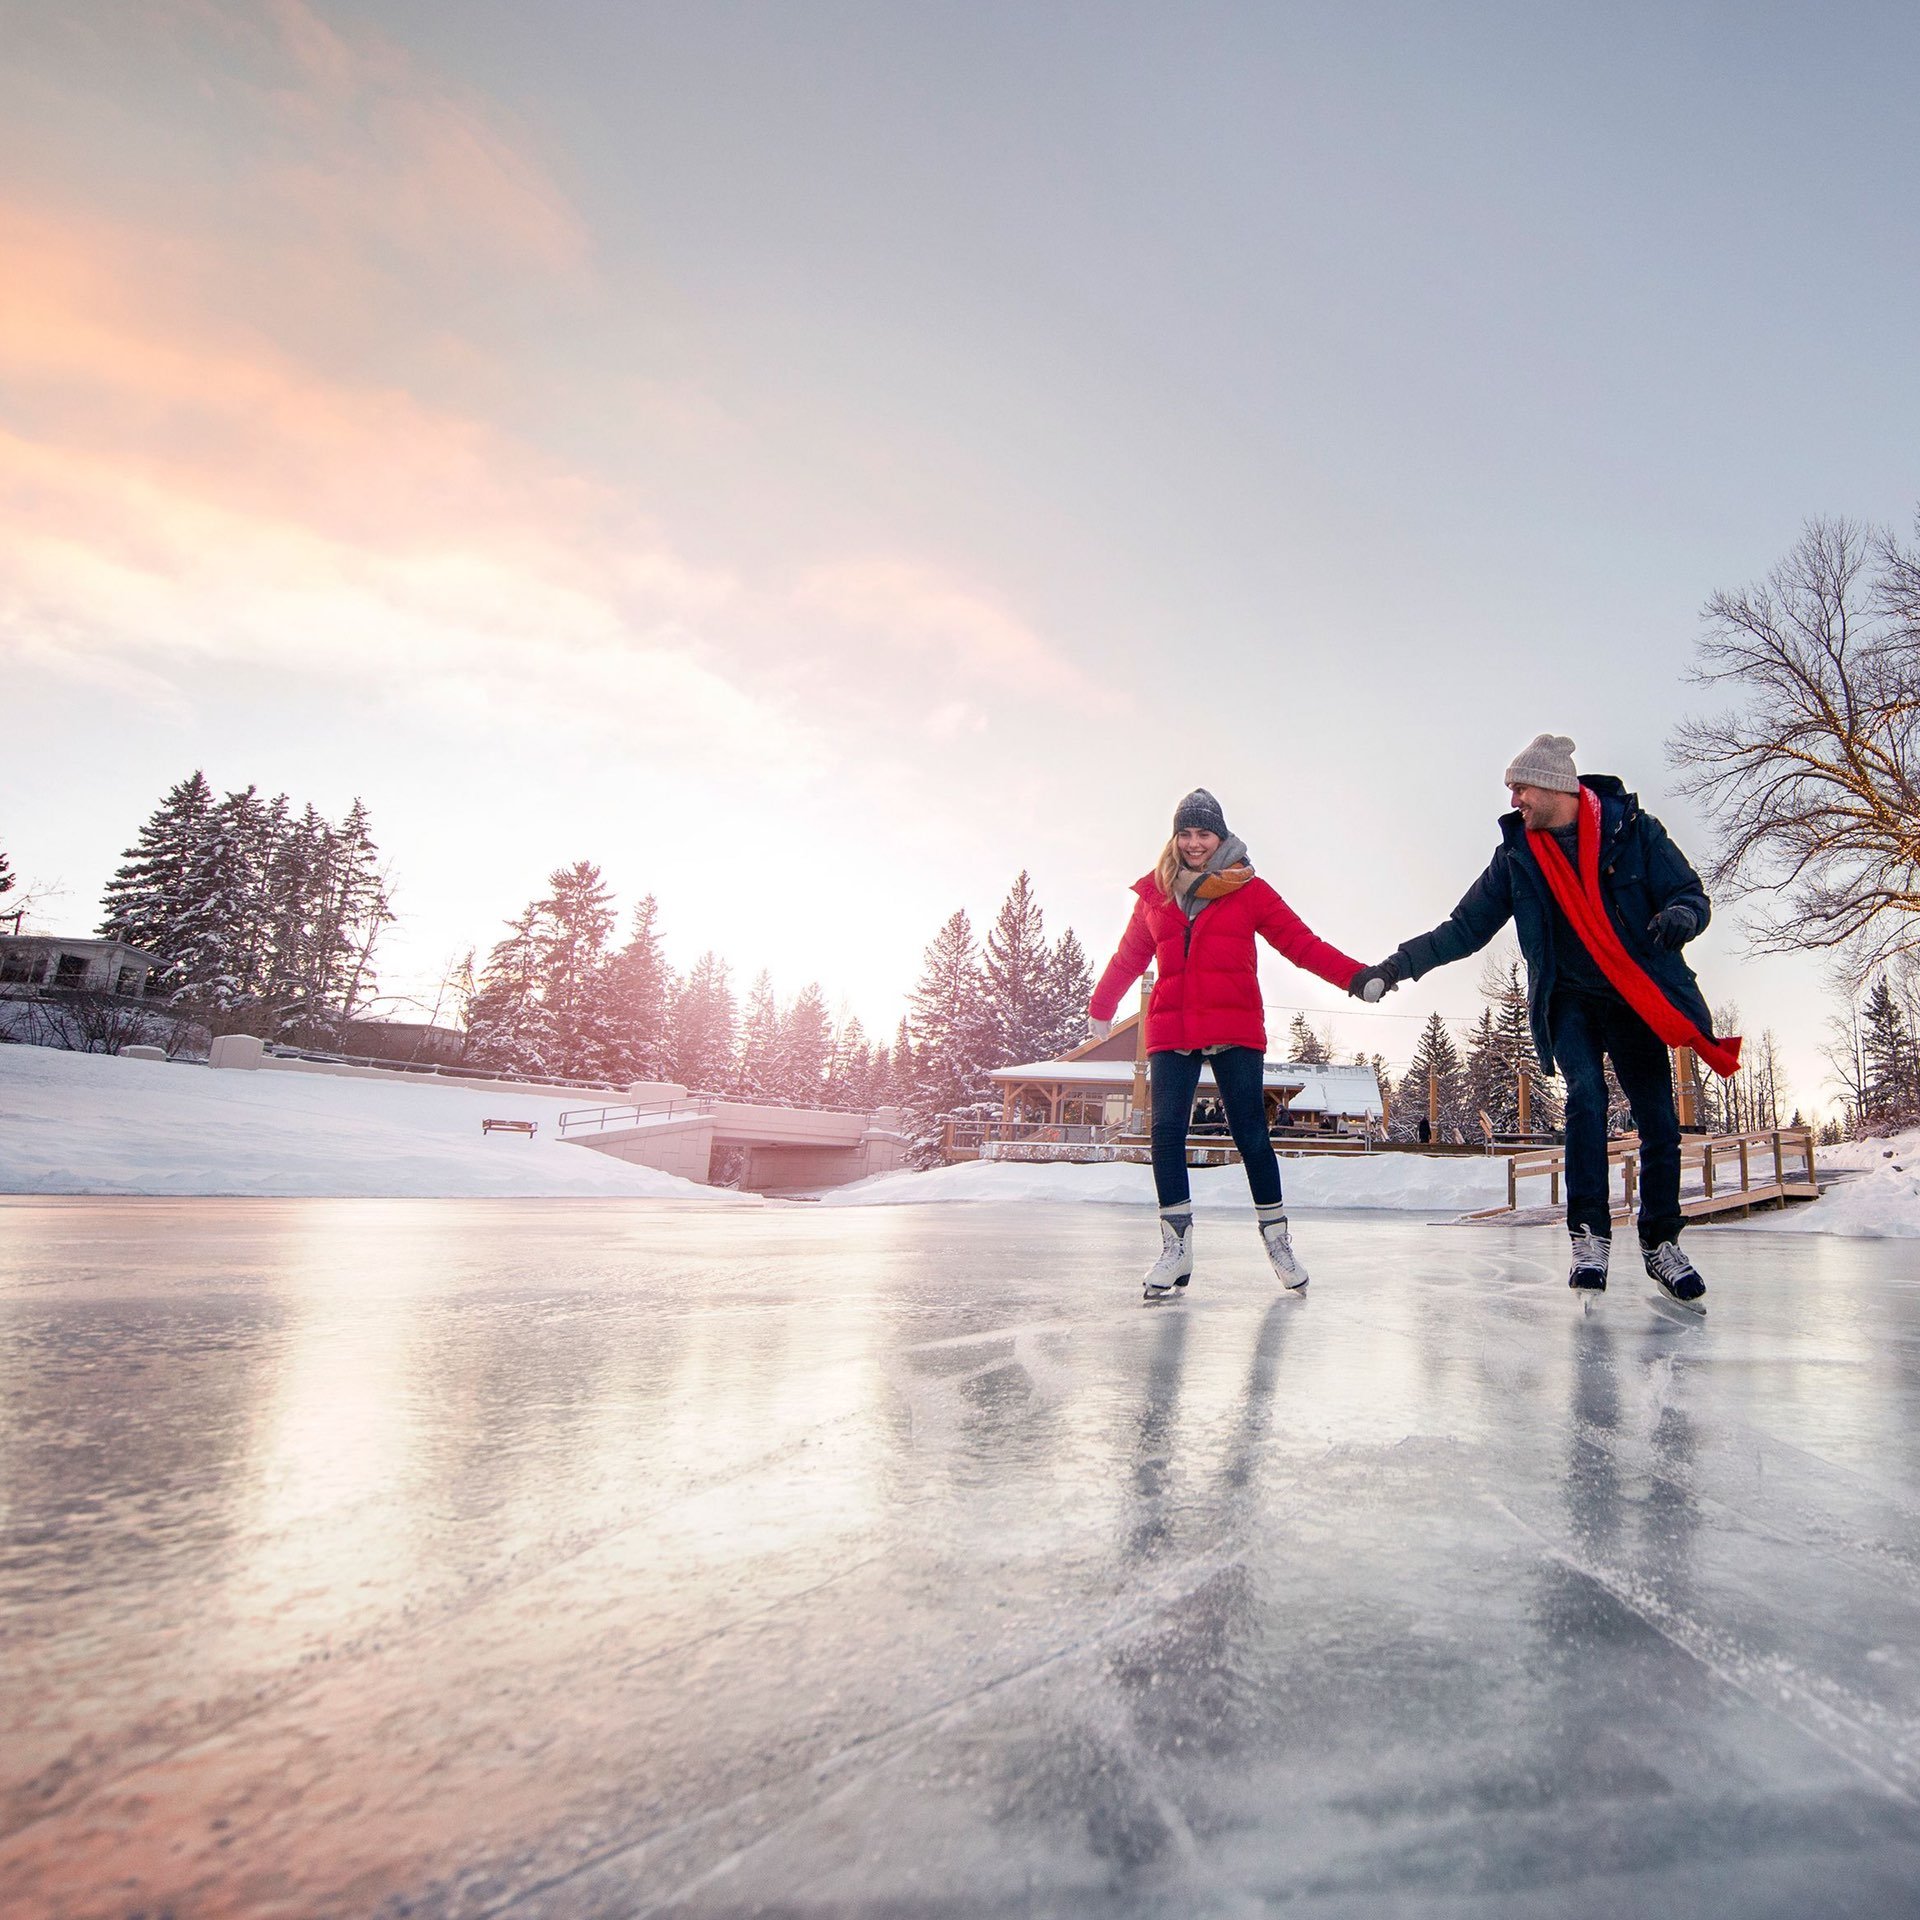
[1814, 779]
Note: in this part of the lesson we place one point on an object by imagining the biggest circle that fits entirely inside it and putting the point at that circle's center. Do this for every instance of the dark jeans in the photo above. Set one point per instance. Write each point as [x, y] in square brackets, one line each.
[1586, 1030]
[1241, 1075]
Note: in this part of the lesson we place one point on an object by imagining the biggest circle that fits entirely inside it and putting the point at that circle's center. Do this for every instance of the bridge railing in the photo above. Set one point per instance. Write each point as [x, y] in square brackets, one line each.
[577, 1120]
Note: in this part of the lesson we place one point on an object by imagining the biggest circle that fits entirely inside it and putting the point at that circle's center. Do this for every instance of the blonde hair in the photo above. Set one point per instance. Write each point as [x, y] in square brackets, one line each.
[1167, 866]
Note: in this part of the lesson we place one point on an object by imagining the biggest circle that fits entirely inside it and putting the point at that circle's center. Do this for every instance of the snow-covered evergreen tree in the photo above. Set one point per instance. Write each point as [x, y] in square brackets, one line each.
[1016, 978]
[639, 993]
[1436, 1061]
[1069, 988]
[507, 1025]
[147, 893]
[1890, 1053]
[6, 872]
[850, 1065]
[701, 1033]
[954, 1033]
[574, 924]
[757, 1074]
[806, 1045]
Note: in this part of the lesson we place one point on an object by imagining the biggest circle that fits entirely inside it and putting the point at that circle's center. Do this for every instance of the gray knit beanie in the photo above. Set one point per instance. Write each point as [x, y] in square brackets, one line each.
[1200, 809]
[1547, 762]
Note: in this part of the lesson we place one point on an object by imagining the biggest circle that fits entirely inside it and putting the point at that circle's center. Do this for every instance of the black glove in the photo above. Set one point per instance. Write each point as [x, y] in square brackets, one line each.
[1374, 983]
[1672, 927]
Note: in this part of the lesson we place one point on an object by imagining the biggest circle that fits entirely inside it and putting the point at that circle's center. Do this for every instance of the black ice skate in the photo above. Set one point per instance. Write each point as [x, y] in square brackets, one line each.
[1673, 1273]
[1589, 1271]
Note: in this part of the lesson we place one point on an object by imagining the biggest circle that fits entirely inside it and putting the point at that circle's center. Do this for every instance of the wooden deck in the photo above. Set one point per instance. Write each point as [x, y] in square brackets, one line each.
[1719, 1173]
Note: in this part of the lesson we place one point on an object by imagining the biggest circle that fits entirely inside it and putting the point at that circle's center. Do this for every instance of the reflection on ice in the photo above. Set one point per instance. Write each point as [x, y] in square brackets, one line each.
[552, 1558]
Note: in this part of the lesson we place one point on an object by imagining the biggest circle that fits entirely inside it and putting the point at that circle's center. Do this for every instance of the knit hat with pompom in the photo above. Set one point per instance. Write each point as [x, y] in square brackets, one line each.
[1547, 762]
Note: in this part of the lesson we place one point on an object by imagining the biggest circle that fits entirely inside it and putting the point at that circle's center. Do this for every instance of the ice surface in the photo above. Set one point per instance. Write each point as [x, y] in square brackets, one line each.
[1427, 1183]
[461, 1559]
[88, 1123]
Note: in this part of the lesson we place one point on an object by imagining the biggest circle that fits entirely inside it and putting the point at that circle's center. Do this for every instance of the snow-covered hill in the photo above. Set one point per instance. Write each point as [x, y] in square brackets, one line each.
[86, 1123]
[1881, 1201]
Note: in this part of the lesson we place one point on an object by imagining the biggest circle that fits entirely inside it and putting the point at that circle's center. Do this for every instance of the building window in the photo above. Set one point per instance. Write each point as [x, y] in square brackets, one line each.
[70, 970]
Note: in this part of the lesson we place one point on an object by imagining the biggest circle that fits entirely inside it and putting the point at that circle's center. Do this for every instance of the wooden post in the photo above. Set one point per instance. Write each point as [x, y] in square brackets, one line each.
[1513, 1183]
[1141, 1111]
[1630, 1179]
[1745, 1178]
[1684, 1089]
[1433, 1103]
[1526, 1101]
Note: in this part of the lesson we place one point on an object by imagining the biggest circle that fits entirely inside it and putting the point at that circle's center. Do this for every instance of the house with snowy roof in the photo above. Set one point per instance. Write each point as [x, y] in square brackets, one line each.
[76, 963]
[1100, 1083]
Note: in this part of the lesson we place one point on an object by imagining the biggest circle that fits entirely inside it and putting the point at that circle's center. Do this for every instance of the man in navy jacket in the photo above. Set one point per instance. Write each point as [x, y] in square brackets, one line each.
[1655, 904]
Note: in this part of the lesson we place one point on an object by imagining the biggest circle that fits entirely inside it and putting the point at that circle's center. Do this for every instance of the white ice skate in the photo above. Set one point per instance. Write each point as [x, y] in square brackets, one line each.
[1279, 1242]
[1171, 1271]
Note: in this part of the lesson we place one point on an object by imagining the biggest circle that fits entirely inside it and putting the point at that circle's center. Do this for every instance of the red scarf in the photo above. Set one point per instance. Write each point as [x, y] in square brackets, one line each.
[1579, 898]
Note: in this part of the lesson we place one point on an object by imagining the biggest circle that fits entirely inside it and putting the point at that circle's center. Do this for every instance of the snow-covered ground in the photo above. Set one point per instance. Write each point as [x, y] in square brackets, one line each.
[86, 1123]
[1881, 1201]
[1428, 1183]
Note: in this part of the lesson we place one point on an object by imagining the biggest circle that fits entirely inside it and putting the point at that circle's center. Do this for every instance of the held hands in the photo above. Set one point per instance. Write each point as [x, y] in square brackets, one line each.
[1672, 927]
[1375, 983]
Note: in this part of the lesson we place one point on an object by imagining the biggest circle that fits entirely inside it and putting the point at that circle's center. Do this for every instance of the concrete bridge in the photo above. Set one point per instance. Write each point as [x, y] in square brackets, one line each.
[788, 1148]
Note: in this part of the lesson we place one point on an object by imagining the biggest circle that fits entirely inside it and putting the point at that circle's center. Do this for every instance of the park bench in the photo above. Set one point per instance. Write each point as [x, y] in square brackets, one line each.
[528, 1127]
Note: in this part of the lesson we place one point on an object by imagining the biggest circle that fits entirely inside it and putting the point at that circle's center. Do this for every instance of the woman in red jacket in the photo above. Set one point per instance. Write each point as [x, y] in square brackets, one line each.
[1195, 919]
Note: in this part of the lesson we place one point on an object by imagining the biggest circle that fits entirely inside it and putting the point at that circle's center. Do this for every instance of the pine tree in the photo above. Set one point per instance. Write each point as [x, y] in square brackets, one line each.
[507, 1024]
[1888, 1047]
[905, 1067]
[1069, 988]
[953, 1032]
[638, 994]
[1303, 1044]
[757, 1075]
[1436, 1061]
[1016, 978]
[701, 1033]
[850, 1066]
[6, 872]
[806, 1044]
[143, 899]
[877, 1088]
[573, 925]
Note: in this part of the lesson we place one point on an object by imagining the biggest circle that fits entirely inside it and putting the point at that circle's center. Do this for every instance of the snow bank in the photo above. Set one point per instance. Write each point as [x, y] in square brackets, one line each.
[1881, 1201]
[87, 1123]
[1424, 1183]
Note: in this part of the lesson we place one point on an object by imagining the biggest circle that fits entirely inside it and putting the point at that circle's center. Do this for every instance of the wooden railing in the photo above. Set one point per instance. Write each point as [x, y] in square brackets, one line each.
[1718, 1172]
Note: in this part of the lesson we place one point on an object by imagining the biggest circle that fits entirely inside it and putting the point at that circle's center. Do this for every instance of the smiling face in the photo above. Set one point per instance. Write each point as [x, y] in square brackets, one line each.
[1197, 846]
[1542, 810]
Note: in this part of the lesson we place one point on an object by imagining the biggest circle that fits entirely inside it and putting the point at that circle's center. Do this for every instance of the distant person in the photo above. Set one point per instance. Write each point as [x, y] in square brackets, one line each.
[1195, 918]
[1602, 902]
[1424, 1130]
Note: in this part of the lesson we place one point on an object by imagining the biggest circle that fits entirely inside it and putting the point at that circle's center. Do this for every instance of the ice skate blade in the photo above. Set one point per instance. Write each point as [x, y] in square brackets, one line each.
[1687, 1312]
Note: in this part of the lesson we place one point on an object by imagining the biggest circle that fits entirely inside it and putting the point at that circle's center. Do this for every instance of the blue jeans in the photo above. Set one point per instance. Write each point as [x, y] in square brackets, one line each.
[1240, 1073]
[1586, 1031]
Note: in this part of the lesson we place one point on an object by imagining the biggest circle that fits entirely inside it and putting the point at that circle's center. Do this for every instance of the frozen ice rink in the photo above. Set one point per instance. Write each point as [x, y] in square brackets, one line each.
[385, 1558]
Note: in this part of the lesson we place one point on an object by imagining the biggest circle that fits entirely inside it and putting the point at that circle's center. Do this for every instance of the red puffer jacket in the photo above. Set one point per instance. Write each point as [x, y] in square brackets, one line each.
[1206, 990]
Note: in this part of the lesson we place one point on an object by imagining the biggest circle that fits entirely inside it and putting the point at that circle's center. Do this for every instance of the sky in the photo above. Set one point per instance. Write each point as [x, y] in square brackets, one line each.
[817, 461]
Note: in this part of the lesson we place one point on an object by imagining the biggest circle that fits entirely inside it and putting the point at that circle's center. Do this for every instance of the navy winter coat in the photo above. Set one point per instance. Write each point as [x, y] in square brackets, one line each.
[1641, 871]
